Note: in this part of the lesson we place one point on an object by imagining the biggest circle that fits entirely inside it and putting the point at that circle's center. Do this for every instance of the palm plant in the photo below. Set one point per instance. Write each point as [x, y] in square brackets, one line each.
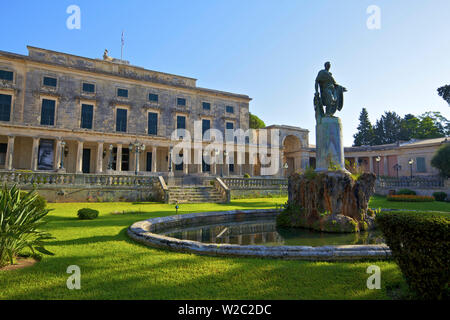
[20, 220]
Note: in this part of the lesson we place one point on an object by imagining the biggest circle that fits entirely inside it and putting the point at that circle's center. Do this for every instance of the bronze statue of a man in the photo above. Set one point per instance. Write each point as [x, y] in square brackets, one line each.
[331, 94]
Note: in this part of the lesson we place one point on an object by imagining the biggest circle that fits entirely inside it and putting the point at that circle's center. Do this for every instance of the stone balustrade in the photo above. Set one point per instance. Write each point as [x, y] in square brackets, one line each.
[407, 182]
[72, 179]
[255, 183]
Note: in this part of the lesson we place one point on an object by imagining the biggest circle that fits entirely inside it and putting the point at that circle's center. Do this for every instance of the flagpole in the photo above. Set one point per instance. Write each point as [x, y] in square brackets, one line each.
[121, 48]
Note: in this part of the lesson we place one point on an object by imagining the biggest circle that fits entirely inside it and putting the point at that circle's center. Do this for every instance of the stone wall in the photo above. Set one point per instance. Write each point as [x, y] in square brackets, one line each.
[98, 194]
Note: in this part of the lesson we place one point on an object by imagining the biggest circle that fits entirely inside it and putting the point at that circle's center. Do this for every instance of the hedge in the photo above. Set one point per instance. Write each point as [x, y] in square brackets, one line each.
[420, 244]
[440, 196]
[406, 192]
[410, 198]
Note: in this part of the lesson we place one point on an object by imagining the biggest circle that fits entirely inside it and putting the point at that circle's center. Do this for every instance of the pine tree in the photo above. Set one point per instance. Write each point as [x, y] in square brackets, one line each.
[365, 135]
[387, 129]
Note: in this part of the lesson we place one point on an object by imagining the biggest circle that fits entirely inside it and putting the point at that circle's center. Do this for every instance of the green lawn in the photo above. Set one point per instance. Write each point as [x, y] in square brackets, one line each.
[381, 202]
[114, 267]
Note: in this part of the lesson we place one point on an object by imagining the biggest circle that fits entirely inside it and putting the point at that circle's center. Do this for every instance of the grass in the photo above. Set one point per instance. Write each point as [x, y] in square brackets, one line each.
[381, 202]
[114, 267]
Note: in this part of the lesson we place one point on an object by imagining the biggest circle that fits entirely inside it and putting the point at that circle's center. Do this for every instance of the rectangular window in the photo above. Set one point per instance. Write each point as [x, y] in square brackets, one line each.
[125, 159]
[5, 107]
[152, 123]
[50, 82]
[421, 167]
[121, 120]
[230, 109]
[6, 75]
[206, 106]
[3, 149]
[87, 115]
[181, 122]
[48, 112]
[181, 101]
[230, 125]
[153, 97]
[206, 125]
[149, 161]
[122, 93]
[88, 87]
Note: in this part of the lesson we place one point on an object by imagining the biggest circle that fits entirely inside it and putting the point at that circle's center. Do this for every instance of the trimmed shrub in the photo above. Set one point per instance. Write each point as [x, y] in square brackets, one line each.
[408, 198]
[246, 175]
[420, 244]
[39, 200]
[440, 196]
[87, 214]
[406, 192]
[21, 216]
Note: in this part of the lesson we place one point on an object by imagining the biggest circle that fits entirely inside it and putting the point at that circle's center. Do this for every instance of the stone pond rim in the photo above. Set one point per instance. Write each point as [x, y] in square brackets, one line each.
[146, 232]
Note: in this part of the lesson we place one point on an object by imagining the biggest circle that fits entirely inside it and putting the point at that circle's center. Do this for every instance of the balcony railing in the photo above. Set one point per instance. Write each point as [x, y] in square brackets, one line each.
[255, 183]
[67, 179]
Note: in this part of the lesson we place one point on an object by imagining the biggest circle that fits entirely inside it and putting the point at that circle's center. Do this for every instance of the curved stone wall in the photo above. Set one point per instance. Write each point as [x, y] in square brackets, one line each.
[145, 232]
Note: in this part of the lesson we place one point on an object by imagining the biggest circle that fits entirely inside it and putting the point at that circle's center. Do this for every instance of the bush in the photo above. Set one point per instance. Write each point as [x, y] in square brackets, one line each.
[406, 192]
[21, 216]
[420, 245]
[441, 160]
[246, 176]
[87, 214]
[39, 201]
[407, 198]
[440, 196]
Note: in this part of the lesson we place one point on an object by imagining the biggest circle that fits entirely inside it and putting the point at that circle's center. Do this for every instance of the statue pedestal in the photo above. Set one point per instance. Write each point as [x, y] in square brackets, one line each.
[329, 145]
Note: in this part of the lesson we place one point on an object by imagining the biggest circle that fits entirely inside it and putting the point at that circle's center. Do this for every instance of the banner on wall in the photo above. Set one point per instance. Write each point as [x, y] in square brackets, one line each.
[46, 154]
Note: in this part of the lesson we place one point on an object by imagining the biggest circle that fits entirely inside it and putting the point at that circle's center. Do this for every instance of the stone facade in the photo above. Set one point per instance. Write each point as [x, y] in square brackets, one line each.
[82, 150]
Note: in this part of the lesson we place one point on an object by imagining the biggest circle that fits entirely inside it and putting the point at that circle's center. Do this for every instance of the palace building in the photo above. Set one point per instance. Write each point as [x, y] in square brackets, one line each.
[61, 111]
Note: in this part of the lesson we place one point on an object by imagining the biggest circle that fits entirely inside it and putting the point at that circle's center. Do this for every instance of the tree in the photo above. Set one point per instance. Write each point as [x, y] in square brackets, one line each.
[364, 136]
[439, 121]
[428, 129]
[387, 129]
[441, 160]
[408, 127]
[255, 122]
[444, 92]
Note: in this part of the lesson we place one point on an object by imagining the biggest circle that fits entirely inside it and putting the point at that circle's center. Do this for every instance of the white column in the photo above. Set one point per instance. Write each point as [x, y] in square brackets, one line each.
[370, 164]
[385, 167]
[58, 155]
[9, 153]
[169, 160]
[138, 158]
[119, 158]
[154, 157]
[79, 159]
[99, 163]
[34, 154]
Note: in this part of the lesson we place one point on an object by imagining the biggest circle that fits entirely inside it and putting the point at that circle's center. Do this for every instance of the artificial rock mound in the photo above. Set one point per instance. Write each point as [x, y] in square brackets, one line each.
[331, 201]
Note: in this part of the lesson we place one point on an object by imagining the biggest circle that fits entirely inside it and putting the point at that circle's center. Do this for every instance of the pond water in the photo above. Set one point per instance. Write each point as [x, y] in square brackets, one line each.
[265, 232]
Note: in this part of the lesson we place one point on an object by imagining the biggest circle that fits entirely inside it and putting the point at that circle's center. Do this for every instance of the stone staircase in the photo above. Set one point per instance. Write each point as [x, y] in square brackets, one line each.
[194, 194]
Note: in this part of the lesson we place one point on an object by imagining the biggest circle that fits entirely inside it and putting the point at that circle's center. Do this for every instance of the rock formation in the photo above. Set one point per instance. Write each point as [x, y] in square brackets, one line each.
[331, 201]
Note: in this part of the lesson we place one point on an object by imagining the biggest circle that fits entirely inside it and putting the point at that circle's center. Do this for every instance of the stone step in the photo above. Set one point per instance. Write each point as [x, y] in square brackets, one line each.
[194, 194]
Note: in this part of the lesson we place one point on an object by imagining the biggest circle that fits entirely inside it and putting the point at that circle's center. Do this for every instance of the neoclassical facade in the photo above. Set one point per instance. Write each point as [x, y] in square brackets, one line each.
[79, 115]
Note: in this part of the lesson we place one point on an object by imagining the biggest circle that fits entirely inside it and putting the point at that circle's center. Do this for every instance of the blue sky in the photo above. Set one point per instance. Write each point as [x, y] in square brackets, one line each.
[269, 50]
